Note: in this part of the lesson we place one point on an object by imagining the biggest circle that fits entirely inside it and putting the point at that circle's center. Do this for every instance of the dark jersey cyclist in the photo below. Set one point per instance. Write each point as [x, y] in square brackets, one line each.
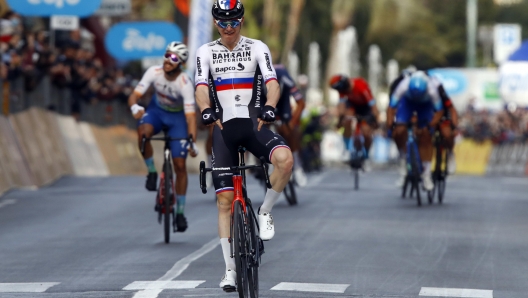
[355, 100]
[231, 74]
[290, 119]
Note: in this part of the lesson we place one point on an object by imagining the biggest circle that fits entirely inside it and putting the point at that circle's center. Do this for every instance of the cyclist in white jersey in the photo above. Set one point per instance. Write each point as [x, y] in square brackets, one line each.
[232, 74]
[173, 107]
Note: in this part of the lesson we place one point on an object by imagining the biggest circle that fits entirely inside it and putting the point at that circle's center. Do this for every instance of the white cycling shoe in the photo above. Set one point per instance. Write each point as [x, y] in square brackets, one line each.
[451, 164]
[427, 181]
[266, 225]
[402, 170]
[300, 177]
[228, 282]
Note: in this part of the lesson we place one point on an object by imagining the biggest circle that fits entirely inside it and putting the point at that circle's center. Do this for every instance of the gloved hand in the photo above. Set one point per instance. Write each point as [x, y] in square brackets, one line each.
[137, 111]
[209, 117]
[193, 149]
[267, 114]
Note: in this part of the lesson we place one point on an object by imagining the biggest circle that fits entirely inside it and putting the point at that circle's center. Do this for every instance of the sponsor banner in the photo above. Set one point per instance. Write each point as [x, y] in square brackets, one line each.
[479, 86]
[514, 82]
[12, 161]
[119, 147]
[85, 158]
[46, 8]
[136, 40]
[114, 8]
[472, 157]
[64, 22]
[200, 30]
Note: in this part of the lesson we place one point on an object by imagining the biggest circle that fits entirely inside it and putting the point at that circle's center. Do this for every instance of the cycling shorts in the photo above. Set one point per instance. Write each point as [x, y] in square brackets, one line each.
[359, 110]
[174, 121]
[240, 132]
[424, 111]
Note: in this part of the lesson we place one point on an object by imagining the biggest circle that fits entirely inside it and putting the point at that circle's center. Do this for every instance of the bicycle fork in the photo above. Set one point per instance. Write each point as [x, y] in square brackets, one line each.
[238, 197]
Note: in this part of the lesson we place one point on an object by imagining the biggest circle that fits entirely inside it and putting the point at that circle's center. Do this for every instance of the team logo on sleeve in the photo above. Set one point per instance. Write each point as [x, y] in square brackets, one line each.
[199, 66]
[268, 62]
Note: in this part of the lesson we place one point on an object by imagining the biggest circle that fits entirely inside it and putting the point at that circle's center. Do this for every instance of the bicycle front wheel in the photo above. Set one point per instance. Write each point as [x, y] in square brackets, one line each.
[240, 250]
[415, 170]
[167, 202]
[254, 260]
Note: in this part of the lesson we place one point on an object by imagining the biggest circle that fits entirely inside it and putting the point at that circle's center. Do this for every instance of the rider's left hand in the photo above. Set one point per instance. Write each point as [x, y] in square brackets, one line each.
[193, 150]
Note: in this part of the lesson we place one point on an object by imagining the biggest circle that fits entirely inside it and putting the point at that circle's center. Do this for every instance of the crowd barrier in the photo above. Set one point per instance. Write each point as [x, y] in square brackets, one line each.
[509, 158]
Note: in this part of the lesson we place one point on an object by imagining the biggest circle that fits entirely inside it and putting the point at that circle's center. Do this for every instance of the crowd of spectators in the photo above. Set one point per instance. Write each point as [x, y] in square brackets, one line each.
[70, 62]
[508, 125]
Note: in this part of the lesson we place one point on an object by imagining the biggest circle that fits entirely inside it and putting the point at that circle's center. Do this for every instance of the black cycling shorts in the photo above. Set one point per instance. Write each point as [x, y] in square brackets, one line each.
[240, 132]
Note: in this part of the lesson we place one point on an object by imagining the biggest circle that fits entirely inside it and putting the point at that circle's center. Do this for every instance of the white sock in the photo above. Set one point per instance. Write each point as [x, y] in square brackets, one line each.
[226, 250]
[296, 161]
[269, 200]
[427, 166]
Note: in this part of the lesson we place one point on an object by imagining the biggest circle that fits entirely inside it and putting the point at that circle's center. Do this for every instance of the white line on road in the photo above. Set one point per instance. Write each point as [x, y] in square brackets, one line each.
[317, 179]
[153, 288]
[37, 287]
[461, 293]
[308, 287]
[7, 202]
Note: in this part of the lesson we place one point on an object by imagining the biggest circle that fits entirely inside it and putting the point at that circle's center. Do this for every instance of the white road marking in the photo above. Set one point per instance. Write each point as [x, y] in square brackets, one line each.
[309, 287]
[450, 292]
[7, 202]
[156, 285]
[151, 289]
[37, 287]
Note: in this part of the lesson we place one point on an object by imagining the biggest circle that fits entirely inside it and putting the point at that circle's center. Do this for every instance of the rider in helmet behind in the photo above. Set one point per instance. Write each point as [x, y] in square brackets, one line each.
[172, 106]
[418, 94]
[355, 100]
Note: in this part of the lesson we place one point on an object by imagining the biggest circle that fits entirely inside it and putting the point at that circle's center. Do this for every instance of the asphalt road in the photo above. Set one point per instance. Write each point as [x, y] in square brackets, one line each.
[99, 237]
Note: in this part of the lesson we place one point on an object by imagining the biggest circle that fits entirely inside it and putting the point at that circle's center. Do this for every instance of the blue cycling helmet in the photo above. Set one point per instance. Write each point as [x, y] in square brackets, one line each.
[418, 86]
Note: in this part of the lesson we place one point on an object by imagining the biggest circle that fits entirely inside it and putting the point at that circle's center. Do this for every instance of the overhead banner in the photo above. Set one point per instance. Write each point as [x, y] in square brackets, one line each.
[64, 22]
[478, 86]
[137, 40]
[507, 39]
[200, 30]
[114, 8]
[46, 8]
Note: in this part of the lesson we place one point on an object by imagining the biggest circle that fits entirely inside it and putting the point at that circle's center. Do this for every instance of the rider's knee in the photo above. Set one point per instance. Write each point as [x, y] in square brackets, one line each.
[179, 166]
[282, 159]
[224, 201]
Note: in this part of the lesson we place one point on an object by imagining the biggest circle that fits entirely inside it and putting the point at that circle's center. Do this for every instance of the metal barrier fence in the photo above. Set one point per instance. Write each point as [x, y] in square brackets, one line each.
[509, 158]
[48, 96]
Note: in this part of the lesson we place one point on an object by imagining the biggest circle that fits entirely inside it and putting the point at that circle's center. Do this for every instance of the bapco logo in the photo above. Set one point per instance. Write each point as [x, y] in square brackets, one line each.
[237, 98]
[240, 67]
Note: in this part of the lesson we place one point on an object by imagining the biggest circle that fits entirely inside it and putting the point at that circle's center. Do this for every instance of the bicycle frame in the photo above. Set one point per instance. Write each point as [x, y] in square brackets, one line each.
[412, 145]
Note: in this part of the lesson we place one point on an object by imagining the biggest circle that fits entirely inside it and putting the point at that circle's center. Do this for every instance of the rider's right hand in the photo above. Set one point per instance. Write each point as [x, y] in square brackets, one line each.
[137, 111]
[209, 118]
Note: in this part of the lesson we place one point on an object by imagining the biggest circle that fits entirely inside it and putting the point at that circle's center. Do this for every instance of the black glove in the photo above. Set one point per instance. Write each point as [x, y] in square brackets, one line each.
[209, 116]
[267, 114]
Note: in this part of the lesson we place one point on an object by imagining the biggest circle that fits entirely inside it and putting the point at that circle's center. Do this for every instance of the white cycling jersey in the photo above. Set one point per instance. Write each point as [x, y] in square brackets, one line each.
[236, 79]
[172, 96]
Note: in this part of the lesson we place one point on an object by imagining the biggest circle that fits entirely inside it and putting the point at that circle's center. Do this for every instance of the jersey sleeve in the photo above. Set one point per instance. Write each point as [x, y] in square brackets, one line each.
[263, 57]
[187, 91]
[399, 92]
[365, 92]
[290, 84]
[146, 81]
[201, 75]
[432, 89]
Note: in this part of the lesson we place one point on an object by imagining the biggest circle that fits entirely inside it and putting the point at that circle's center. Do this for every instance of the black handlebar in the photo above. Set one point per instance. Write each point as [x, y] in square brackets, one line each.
[203, 170]
[165, 138]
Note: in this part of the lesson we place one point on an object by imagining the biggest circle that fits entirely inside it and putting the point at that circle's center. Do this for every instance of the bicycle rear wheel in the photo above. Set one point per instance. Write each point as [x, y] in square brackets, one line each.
[289, 193]
[240, 250]
[167, 195]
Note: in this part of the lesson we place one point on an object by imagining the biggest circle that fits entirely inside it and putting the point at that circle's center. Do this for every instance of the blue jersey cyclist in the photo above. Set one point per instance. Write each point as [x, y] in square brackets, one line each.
[173, 108]
[231, 74]
[418, 94]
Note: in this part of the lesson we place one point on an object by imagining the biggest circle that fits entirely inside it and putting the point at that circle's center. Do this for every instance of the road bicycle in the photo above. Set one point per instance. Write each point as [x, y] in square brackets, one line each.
[246, 246]
[414, 165]
[439, 175]
[166, 198]
[358, 152]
